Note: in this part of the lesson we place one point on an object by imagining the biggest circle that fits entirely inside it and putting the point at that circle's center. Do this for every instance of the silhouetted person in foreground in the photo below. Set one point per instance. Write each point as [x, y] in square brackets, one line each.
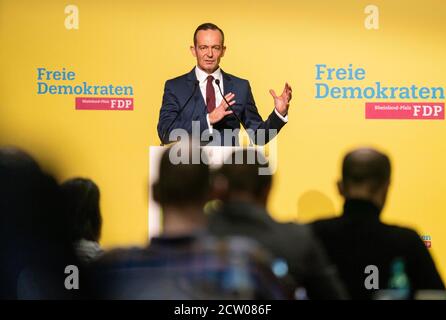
[185, 262]
[81, 199]
[34, 247]
[358, 238]
[245, 194]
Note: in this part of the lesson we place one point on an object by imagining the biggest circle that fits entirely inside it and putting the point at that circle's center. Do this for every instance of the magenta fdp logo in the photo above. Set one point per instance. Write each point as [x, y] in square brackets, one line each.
[427, 241]
[405, 110]
[86, 103]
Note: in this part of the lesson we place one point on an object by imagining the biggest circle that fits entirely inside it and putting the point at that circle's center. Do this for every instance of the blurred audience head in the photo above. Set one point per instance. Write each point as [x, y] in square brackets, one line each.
[81, 198]
[365, 176]
[16, 161]
[182, 184]
[239, 178]
[30, 198]
[182, 190]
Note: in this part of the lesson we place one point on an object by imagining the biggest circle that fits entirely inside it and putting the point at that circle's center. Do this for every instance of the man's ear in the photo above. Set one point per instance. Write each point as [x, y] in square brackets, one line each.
[341, 188]
[194, 51]
[386, 189]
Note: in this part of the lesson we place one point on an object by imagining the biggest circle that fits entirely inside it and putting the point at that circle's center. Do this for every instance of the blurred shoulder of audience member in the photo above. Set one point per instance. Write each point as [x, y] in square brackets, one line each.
[195, 266]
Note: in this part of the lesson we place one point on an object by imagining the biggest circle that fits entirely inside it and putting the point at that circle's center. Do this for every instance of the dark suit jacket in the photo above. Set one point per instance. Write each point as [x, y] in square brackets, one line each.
[358, 239]
[178, 90]
[307, 262]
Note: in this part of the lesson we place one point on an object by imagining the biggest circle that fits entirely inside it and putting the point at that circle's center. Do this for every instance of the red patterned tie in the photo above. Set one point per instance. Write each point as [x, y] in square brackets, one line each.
[210, 94]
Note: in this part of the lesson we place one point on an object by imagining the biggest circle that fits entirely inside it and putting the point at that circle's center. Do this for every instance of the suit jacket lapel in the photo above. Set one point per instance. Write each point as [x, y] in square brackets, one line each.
[227, 83]
[197, 100]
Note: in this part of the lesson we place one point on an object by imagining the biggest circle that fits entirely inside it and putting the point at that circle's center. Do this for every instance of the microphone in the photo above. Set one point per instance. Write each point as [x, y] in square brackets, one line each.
[196, 82]
[217, 82]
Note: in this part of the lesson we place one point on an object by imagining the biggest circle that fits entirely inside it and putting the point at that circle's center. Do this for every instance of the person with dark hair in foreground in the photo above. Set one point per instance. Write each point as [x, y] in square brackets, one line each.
[359, 239]
[245, 194]
[35, 248]
[185, 262]
[81, 199]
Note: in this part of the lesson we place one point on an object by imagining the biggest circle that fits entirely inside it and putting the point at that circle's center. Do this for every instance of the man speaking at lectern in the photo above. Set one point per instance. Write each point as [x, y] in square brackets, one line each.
[197, 97]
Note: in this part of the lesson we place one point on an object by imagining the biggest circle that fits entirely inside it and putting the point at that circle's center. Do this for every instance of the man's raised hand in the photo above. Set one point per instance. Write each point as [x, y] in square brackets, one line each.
[282, 102]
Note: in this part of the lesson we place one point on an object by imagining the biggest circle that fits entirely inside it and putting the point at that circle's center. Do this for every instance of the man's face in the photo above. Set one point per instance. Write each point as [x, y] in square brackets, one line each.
[209, 50]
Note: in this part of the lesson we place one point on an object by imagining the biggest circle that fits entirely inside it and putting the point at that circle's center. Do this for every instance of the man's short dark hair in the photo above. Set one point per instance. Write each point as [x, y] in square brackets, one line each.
[208, 26]
[181, 184]
[366, 166]
[245, 177]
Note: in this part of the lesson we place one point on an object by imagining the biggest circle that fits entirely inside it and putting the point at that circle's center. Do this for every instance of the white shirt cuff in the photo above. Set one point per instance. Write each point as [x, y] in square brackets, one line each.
[284, 119]
[209, 124]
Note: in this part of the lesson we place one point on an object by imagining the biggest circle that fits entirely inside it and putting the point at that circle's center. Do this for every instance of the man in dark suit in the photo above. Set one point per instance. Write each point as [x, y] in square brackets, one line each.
[359, 239]
[196, 99]
[245, 193]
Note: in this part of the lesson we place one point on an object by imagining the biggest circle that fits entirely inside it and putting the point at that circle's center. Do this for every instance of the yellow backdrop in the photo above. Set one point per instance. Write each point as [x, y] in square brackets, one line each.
[143, 43]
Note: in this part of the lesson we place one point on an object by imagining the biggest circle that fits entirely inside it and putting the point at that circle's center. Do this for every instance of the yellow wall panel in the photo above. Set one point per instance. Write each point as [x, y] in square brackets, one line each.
[144, 43]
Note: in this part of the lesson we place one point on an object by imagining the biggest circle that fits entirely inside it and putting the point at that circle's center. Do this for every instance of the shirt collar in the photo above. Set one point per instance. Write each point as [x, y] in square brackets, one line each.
[202, 75]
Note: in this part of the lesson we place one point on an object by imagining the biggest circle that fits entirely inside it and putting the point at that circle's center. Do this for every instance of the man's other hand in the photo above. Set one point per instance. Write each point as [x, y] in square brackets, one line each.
[221, 111]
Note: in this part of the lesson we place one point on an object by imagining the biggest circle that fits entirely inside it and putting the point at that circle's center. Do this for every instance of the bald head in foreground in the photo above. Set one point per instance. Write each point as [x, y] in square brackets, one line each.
[365, 175]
